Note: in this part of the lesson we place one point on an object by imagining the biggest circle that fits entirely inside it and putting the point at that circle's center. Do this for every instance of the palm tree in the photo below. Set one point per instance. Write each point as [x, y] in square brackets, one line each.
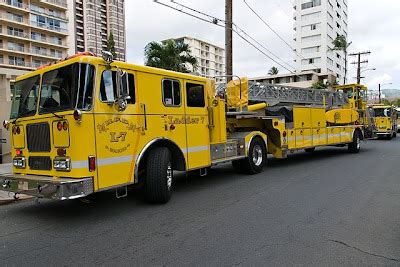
[170, 55]
[111, 45]
[340, 43]
[273, 71]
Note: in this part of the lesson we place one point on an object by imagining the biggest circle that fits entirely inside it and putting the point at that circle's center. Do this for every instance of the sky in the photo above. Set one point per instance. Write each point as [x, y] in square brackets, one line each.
[373, 26]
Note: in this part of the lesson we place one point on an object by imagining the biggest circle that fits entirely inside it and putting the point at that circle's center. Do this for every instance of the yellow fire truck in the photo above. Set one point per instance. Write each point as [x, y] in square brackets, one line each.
[398, 119]
[88, 124]
[385, 119]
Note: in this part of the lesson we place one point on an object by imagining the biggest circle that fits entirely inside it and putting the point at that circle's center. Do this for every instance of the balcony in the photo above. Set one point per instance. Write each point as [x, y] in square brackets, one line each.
[32, 52]
[15, 4]
[48, 27]
[26, 37]
[56, 3]
[53, 14]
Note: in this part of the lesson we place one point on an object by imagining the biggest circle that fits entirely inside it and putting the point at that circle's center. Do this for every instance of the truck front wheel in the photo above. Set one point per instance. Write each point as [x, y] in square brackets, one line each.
[159, 177]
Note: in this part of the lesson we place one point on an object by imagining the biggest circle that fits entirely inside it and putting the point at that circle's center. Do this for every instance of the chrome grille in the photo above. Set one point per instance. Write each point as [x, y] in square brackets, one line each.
[38, 136]
[39, 163]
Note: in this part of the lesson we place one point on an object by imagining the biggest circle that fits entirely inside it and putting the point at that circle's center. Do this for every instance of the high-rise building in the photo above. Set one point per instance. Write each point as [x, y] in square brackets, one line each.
[94, 21]
[32, 33]
[210, 57]
[317, 24]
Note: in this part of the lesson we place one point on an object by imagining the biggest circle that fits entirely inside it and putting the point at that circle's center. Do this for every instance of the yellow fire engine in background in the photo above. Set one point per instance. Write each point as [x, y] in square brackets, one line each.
[88, 124]
[398, 119]
[385, 119]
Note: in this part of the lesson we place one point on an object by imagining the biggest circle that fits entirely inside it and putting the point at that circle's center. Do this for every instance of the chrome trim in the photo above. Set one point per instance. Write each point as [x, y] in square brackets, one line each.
[143, 151]
[47, 187]
[67, 161]
[23, 159]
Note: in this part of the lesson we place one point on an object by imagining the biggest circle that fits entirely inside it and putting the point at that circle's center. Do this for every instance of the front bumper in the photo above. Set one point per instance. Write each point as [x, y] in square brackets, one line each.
[46, 186]
[383, 133]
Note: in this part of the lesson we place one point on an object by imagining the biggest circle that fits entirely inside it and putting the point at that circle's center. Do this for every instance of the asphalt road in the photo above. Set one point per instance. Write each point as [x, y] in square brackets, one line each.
[325, 208]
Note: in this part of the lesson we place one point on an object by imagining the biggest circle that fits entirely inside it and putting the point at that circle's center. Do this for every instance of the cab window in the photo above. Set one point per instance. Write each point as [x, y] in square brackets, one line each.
[195, 95]
[171, 93]
[108, 87]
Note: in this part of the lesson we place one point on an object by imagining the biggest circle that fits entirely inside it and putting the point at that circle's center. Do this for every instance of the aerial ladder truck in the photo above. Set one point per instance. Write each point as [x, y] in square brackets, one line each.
[88, 124]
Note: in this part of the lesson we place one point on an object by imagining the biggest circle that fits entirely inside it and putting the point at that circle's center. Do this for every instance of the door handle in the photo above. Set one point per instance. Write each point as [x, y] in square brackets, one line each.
[172, 127]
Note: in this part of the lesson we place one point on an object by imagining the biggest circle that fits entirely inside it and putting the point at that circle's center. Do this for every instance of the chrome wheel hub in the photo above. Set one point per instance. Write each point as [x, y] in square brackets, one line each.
[257, 155]
[169, 176]
[358, 143]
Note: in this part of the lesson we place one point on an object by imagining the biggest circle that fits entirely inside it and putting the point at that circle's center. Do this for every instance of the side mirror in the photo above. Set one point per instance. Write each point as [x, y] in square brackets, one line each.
[122, 83]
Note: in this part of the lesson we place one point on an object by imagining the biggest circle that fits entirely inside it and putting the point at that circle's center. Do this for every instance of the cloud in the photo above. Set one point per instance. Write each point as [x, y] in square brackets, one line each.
[372, 26]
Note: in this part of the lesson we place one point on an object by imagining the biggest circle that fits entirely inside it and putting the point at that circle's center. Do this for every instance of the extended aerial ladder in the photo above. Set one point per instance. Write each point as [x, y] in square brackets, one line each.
[278, 95]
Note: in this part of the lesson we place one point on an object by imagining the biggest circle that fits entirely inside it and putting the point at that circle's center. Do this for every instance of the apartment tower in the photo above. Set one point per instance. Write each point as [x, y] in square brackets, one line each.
[94, 21]
[32, 33]
[317, 24]
[210, 57]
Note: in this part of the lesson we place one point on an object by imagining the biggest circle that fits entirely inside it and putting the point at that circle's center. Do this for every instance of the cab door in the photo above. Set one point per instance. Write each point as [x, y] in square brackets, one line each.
[117, 131]
[198, 137]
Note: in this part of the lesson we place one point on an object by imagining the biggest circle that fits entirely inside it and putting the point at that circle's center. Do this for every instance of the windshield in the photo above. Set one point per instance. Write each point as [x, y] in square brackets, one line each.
[382, 112]
[25, 97]
[67, 88]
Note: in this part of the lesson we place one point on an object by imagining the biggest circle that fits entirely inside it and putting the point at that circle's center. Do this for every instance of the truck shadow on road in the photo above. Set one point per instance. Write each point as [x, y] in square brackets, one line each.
[192, 187]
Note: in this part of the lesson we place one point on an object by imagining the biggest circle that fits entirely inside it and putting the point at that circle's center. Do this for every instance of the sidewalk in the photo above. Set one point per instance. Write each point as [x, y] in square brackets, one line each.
[6, 197]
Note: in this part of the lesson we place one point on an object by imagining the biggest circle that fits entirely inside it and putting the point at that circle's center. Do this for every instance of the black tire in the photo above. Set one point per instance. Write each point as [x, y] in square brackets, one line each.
[310, 150]
[257, 157]
[158, 183]
[355, 146]
[394, 134]
[389, 137]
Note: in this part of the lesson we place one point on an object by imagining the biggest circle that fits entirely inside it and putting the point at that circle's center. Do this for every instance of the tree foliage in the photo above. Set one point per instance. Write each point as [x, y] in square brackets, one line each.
[340, 43]
[273, 71]
[322, 85]
[111, 45]
[170, 55]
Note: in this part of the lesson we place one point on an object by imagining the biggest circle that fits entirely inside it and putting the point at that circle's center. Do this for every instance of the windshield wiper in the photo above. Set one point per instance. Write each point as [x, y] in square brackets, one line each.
[58, 116]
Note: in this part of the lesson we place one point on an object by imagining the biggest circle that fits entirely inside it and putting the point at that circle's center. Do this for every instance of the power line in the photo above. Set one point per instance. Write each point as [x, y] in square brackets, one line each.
[276, 33]
[213, 20]
[216, 20]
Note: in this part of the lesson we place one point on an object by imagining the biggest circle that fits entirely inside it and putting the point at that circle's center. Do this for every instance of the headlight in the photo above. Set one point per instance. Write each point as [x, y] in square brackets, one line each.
[19, 162]
[62, 164]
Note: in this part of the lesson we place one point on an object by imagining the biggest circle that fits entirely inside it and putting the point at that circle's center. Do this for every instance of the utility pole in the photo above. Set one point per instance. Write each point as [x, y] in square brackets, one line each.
[228, 40]
[359, 62]
[379, 93]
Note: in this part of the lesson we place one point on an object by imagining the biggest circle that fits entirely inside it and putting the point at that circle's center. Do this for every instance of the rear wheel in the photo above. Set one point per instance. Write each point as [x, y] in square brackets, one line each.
[355, 146]
[159, 177]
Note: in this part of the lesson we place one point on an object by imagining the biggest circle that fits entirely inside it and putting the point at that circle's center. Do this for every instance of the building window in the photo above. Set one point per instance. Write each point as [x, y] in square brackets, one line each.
[308, 50]
[171, 93]
[312, 38]
[311, 4]
[311, 16]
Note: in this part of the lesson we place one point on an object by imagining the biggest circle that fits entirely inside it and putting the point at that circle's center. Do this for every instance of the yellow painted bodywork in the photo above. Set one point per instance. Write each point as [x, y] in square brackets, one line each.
[118, 139]
[237, 93]
[342, 116]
